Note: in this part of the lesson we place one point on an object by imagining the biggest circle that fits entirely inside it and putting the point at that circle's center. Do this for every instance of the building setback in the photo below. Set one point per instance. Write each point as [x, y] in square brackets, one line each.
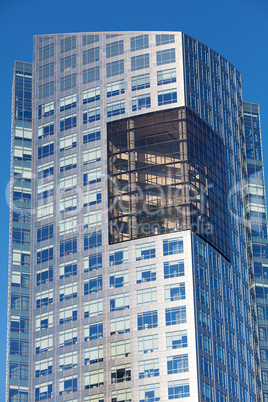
[142, 282]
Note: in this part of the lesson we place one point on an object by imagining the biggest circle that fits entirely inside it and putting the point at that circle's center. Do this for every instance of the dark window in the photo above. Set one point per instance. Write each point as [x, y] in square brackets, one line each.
[92, 240]
[68, 247]
[45, 232]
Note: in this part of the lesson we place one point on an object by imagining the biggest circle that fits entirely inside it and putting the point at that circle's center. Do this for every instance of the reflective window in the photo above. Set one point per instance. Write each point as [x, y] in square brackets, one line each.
[146, 320]
[140, 82]
[166, 56]
[164, 39]
[139, 62]
[114, 48]
[146, 273]
[91, 55]
[115, 68]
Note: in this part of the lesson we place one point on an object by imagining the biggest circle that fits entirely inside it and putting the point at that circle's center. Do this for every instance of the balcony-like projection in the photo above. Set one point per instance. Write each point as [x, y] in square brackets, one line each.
[167, 173]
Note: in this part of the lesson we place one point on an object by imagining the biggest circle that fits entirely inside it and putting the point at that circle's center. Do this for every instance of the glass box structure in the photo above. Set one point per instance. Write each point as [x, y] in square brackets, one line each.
[139, 266]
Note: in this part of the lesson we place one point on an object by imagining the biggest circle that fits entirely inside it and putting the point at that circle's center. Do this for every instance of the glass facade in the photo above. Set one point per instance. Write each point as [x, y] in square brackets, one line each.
[136, 156]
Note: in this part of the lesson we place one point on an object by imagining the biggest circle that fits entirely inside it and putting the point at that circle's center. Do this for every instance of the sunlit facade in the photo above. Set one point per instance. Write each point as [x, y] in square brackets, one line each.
[139, 270]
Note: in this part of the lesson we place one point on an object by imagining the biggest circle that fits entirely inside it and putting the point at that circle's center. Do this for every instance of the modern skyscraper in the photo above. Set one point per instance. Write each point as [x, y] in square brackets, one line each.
[140, 276]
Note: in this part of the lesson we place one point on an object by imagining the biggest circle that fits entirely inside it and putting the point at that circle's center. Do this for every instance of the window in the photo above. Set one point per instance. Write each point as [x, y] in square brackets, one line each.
[89, 39]
[91, 55]
[115, 68]
[43, 367]
[43, 321]
[114, 48]
[19, 347]
[92, 240]
[147, 320]
[68, 337]
[44, 254]
[94, 354]
[68, 247]
[94, 379]
[204, 319]
[92, 219]
[91, 134]
[20, 280]
[166, 76]
[93, 308]
[173, 269]
[115, 88]
[19, 302]
[118, 256]
[45, 170]
[46, 90]
[93, 331]
[91, 95]
[44, 298]
[121, 373]
[67, 102]
[175, 315]
[68, 314]
[46, 149]
[43, 391]
[178, 389]
[67, 385]
[139, 62]
[175, 291]
[44, 276]
[67, 82]
[21, 236]
[67, 63]
[68, 182]
[146, 273]
[93, 285]
[149, 368]
[67, 44]
[147, 344]
[146, 296]
[119, 302]
[140, 82]
[68, 361]
[165, 57]
[68, 162]
[177, 339]
[46, 51]
[167, 96]
[120, 349]
[141, 102]
[149, 392]
[207, 392]
[92, 114]
[67, 142]
[68, 291]
[120, 325]
[21, 257]
[115, 108]
[68, 269]
[43, 344]
[91, 75]
[145, 251]
[121, 395]
[177, 364]
[92, 176]
[92, 262]
[118, 279]
[202, 296]
[173, 246]
[46, 70]
[139, 42]
[19, 324]
[23, 133]
[91, 155]
[22, 153]
[164, 39]
[46, 129]
[45, 110]
[68, 122]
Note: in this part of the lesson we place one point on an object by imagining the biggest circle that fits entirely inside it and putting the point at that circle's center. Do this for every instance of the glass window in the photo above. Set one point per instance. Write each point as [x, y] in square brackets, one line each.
[121, 373]
[94, 379]
[120, 349]
[92, 176]
[115, 68]
[45, 170]
[93, 331]
[177, 339]
[43, 391]
[178, 389]
[166, 76]
[140, 82]
[175, 291]
[114, 48]
[115, 88]
[139, 62]
[167, 96]
[116, 108]
[173, 246]
[91, 155]
[91, 74]
[68, 269]
[46, 52]
[68, 182]
[119, 302]
[46, 71]
[92, 240]
[141, 102]
[164, 39]
[118, 256]
[67, 385]
[44, 254]
[68, 361]
[44, 276]
[149, 392]
[46, 149]
[45, 110]
[45, 129]
[67, 44]
[118, 279]
[145, 251]
[44, 298]
[68, 337]
[67, 102]
[93, 308]
[67, 63]
[92, 114]
[91, 55]
[146, 320]
[146, 296]
[175, 315]
[92, 197]
[68, 291]
[177, 364]
[67, 82]
[68, 314]
[45, 211]
[91, 134]
[146, 273]
[43, 344]
[46, 90]
[92, 218]
[68, 162]
[94, 354]
[139, 42]
[91, 95]
[93, 285]
[44, 321]
[45, 232]
[68, 247]
[121, 395]
[89, 39]
[173, 269]
[120, 325]
[147, 344]
[149, 368]
[166, 56]
[68, 122]
[92, 262]
[68, 142]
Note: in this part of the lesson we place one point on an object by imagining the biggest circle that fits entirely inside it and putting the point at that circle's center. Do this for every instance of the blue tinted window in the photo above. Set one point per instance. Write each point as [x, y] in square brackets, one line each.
[175, 315]
[173, 246]
[164, 39]
[166, 97]
[139, 42]
[177, 364]
[115, 68]
[92, 240]
[140, 62]
[114, 48]
[91, 75]
[147, 320]
[68, 247]
[94, 262]
[93, 285]
[165, 57]
[173, 269]
[140, 82]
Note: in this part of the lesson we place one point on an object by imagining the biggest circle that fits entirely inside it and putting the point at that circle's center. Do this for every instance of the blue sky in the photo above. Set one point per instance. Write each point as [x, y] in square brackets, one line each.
[237, 29]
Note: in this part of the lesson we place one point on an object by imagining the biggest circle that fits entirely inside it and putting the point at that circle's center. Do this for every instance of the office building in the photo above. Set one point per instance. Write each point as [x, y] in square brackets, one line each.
[140, 277]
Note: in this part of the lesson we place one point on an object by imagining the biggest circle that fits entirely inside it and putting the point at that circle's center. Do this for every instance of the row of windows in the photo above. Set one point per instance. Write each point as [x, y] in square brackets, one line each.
[143, 251]
[93, 94]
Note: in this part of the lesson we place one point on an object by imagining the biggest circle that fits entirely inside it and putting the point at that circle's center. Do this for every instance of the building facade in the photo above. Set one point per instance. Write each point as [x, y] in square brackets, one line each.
[140, 278]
